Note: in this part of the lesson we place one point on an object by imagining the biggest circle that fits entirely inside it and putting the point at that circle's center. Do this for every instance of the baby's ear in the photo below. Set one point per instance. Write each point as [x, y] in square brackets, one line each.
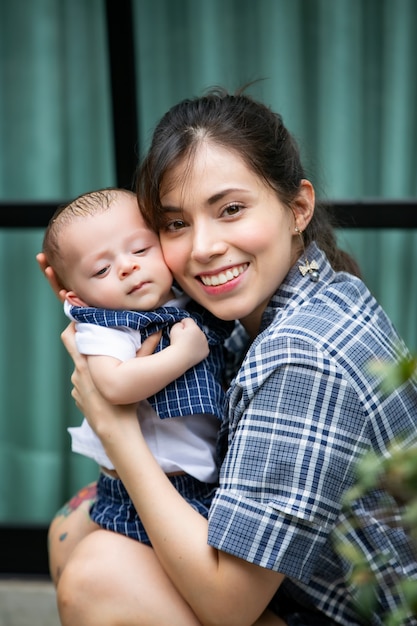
[73, 299]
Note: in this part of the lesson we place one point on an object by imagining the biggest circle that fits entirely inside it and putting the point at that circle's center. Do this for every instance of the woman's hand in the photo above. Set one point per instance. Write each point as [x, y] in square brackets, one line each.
[110, 422]
[149, 344]
[47, 270]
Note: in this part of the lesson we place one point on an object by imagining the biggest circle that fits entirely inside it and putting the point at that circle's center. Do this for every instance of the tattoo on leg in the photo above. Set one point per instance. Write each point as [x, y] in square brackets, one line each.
[86, 494]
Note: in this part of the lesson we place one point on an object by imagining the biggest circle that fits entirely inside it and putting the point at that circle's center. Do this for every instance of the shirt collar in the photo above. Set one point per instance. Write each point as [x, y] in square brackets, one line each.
[296, 288]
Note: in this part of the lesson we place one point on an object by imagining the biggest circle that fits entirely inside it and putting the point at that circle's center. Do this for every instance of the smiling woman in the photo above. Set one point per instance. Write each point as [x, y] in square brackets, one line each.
[233, 229]
[224, 186]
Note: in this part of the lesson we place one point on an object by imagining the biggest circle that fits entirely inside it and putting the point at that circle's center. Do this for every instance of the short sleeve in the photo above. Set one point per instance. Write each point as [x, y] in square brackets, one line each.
[120, 343]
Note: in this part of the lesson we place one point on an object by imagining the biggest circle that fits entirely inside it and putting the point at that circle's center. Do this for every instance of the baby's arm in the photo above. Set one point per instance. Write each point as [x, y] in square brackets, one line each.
[125, 382]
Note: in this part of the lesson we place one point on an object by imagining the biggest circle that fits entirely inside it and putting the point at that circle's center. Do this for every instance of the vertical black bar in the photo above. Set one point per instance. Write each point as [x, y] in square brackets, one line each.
[119, 16]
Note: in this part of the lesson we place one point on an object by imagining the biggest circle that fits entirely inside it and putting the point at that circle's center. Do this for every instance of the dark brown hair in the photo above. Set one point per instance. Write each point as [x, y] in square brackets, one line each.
[251, 129]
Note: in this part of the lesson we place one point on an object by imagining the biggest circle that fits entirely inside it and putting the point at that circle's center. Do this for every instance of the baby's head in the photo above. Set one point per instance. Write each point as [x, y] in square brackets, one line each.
[104, 254]
[55, 241]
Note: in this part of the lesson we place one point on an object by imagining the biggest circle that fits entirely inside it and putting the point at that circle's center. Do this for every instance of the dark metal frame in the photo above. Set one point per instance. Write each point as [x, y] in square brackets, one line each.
[377, 214]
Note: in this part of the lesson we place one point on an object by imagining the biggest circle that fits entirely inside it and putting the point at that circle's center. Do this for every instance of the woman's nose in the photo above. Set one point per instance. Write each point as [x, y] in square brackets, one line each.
[207, 242]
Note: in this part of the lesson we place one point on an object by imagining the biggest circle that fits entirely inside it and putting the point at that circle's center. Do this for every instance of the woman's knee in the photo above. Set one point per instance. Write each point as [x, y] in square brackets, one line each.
[111, 579]
[80, 589]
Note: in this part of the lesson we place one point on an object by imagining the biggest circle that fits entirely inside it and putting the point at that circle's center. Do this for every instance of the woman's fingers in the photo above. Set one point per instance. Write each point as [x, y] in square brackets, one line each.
[149, 345]
[68, 339]
[42, 261]
[51, 277]
[84, 392]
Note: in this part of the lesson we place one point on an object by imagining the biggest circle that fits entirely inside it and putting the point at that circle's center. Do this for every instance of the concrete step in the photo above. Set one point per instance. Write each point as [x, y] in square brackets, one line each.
[27, 602]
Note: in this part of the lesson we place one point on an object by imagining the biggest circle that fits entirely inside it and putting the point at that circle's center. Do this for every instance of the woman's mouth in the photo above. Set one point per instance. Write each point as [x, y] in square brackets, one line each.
[221, 278]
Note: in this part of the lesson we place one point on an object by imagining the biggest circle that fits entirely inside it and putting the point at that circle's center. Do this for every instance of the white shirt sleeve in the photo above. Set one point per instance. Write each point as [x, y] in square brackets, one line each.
[121, 343]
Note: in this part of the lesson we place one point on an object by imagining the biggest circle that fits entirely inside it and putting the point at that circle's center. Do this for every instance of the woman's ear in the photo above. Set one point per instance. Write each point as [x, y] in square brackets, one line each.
[74, 299]
[303, 205]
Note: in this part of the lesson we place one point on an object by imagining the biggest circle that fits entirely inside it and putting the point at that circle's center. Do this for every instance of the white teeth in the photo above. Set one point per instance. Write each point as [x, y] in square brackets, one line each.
[223, 277]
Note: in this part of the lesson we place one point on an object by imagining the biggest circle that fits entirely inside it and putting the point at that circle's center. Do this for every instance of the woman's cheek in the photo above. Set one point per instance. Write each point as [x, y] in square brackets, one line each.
[173, 256]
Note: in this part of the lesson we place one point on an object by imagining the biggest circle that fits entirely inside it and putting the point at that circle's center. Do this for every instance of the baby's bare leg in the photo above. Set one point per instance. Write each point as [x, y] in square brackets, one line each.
[71, 524]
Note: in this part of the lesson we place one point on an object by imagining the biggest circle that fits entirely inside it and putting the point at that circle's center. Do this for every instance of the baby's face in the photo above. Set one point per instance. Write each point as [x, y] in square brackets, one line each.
[114, 261]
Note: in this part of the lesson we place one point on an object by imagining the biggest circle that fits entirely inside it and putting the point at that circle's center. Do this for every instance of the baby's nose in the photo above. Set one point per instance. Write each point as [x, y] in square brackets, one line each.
[128, 265]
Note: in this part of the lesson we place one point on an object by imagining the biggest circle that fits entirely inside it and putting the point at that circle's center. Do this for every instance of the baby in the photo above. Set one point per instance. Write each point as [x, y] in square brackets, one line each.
[119, 291]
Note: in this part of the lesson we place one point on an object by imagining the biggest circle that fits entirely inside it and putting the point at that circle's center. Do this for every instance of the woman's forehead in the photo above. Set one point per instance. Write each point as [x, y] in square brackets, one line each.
[208, 159]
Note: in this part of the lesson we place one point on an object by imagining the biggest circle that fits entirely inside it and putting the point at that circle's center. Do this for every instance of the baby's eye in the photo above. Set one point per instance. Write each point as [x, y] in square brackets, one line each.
[102, 271]
[140, 251]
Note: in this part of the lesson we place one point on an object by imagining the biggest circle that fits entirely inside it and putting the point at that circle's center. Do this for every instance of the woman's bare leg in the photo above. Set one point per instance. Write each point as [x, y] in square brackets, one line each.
[71, 524]
[111, 579]
[269, 619]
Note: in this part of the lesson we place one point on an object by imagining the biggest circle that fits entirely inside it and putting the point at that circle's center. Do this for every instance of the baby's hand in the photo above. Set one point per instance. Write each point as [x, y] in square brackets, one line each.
[190, 340]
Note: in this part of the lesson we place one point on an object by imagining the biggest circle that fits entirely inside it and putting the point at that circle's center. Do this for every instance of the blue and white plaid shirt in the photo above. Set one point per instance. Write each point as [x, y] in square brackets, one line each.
[200, 388]
[303, 409]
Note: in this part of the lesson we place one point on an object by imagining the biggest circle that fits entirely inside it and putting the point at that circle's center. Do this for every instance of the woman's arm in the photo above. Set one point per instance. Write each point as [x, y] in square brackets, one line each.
[220, 588]
[124, 382]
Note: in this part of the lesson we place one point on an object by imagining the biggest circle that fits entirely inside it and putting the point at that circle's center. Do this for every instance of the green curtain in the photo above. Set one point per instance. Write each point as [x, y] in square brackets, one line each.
[341, 72]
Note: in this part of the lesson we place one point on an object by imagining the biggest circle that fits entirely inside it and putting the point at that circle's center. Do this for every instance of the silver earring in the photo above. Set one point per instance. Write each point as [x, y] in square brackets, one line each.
[312, 269]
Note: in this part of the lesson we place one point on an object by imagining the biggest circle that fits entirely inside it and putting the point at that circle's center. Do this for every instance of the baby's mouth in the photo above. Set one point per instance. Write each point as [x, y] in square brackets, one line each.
[136, 288]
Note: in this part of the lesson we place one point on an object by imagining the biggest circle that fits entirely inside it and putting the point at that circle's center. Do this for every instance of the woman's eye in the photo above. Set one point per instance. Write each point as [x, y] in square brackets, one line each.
[174, 225]
[232, 209]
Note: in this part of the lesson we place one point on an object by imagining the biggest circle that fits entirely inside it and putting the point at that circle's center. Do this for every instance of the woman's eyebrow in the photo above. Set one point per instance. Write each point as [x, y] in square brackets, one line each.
[221, 194]
[171, 209]
[210, 201]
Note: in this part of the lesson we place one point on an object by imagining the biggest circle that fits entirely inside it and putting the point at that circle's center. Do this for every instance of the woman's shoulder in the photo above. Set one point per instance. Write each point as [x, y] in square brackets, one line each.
[339, 316]
[328, 303]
